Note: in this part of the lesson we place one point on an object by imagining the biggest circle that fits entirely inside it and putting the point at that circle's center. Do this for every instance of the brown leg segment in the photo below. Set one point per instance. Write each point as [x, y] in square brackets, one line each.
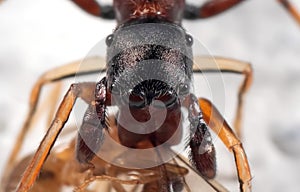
[82, 90]
[94, 8]
[291, 9]
[91, 65]
[217, 123]
[209, 8]
[219, 64]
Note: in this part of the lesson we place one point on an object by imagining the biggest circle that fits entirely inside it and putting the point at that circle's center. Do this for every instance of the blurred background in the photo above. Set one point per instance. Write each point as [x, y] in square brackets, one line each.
[37, 35]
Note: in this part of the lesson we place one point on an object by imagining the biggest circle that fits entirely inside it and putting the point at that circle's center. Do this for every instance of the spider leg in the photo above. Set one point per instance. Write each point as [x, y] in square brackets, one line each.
[91, 65]
[82, 90]
[48, 106]
[291, 9]
[217, 123]
[94, 8]
[219, 64]
[209, 8]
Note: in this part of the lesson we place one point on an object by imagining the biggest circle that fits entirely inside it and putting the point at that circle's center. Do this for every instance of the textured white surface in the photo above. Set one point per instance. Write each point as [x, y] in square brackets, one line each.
[39, 35]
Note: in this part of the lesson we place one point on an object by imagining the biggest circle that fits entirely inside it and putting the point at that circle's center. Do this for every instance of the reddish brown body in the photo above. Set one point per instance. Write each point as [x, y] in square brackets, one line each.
[170, 10]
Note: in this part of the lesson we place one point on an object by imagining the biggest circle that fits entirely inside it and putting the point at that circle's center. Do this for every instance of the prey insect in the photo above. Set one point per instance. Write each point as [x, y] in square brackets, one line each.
[149, 69]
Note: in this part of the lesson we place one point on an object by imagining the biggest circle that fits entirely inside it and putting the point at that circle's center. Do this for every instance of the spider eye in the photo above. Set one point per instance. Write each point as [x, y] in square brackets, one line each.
[189, 40]
[183, 89]
[109, 40]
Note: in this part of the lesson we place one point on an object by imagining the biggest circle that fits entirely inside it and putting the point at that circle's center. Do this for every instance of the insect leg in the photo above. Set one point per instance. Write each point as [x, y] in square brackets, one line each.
[82, 90]
[202, 152]
[209, 8]
[94, 8]
[219, 64]
[91, 65]
[291, 9]
[217, 123]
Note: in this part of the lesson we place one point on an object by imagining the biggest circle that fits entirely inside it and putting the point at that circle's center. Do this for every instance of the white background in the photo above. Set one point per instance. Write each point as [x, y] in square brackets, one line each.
[36, 35]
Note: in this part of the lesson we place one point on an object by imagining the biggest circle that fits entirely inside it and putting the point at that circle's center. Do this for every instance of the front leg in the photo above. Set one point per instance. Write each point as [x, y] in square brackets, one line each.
[91, 65]
[220, 64]
[218, 124]
[32, 171]
[203, 154]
